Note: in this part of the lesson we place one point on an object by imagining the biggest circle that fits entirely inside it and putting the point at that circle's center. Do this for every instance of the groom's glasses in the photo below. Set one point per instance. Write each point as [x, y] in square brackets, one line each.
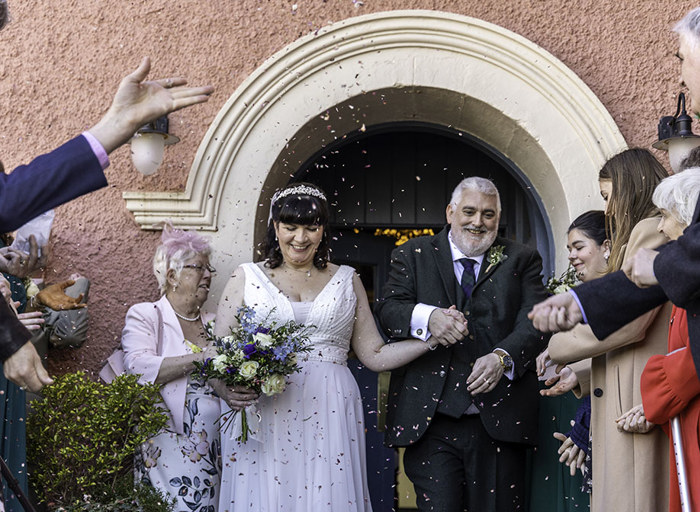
[201, 268]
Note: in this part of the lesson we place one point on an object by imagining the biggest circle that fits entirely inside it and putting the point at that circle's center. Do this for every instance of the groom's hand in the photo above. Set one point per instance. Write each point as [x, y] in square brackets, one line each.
[486, 373]
[447, 326]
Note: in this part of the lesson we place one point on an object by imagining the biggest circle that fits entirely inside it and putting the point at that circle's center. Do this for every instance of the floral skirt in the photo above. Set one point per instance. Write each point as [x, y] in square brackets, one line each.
[187, 466]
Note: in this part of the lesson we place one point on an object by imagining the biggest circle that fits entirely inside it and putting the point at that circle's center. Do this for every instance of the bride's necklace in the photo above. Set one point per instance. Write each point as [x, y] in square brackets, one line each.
[186, 319]
[307, 272]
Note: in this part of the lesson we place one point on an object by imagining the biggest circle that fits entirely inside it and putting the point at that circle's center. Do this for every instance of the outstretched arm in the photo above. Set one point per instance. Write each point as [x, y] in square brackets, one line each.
[138, 102]
[369, 345]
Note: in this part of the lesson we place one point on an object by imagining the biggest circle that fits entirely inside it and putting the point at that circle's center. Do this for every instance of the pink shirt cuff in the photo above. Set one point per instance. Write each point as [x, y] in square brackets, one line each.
[97, 148]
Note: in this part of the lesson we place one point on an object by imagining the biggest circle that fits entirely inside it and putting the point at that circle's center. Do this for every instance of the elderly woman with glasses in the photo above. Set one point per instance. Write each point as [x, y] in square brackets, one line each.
[161, 341]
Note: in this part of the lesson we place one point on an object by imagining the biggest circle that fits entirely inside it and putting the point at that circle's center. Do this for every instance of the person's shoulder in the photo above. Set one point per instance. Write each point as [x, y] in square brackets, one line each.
[645, 234]
[142, 310]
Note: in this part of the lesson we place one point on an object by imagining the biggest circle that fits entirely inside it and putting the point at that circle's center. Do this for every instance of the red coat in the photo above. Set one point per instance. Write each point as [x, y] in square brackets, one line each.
[670, 386]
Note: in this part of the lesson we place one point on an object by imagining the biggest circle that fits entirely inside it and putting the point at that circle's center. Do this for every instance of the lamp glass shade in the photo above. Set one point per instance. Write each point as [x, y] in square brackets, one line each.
[679, 148]
[147, 152]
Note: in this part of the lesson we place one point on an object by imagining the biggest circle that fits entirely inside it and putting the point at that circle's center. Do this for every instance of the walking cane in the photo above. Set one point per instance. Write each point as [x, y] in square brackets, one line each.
[680, 464]
[14, 485]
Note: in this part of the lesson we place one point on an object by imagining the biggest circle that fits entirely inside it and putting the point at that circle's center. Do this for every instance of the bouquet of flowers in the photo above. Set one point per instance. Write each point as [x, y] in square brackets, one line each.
[565, 282]
[257, 355]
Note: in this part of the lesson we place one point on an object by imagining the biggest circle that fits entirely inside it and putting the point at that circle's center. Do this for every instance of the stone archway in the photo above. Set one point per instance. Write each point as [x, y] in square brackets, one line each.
[426, 66]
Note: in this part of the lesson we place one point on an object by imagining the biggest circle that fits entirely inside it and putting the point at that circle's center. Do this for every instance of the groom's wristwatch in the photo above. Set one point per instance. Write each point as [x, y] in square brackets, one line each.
[505, 359]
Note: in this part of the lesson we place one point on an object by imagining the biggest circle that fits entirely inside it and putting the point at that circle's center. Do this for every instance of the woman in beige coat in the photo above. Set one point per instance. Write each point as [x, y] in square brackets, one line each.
[629, 469]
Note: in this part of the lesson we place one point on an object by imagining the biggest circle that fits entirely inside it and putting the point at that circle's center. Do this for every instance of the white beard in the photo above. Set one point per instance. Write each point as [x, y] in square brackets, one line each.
[470, 245]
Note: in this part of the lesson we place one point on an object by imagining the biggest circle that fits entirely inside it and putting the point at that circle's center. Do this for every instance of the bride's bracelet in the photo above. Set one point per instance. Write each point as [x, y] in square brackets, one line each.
[430, 347]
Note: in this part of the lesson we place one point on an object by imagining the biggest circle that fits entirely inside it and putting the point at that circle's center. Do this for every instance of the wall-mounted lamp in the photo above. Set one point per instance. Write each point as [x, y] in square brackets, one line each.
[676, 135]
[148, 143]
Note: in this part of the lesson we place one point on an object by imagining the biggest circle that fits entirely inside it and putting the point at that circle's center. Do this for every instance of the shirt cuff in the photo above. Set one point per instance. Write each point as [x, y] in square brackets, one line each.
[419, 321]
[583, 313]
[97, 148]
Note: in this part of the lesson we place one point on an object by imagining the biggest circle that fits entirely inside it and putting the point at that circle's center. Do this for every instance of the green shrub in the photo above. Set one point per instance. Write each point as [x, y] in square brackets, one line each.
[81, 438]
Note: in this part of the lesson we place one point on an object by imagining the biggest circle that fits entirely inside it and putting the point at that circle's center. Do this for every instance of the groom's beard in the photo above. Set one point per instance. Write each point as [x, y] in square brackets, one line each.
[472, 245]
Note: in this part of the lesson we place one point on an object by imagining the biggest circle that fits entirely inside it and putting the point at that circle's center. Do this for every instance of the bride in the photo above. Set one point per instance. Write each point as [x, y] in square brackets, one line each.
[308, 450]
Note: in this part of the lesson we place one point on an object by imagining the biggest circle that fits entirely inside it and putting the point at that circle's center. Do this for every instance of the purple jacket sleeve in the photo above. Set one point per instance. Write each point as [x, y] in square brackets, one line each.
[48, 181]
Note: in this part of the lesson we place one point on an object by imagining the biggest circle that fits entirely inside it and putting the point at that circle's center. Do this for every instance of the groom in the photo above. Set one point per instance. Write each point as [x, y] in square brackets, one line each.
[466, 413]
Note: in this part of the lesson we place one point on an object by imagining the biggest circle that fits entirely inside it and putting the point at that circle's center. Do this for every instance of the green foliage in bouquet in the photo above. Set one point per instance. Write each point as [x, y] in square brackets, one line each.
[81, 439]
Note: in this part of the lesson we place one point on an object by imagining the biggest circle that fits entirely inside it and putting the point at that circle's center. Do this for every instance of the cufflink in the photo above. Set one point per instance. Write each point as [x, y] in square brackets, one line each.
[419, 332]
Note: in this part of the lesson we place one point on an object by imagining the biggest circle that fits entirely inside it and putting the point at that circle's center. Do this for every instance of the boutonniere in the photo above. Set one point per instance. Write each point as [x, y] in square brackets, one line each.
[495, 256]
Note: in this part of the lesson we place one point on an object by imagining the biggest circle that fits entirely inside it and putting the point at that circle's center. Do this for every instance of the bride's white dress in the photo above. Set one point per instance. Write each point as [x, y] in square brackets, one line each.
[308, 450]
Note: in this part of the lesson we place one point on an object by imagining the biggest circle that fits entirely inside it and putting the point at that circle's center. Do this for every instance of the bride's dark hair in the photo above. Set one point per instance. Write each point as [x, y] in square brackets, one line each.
[305, 205]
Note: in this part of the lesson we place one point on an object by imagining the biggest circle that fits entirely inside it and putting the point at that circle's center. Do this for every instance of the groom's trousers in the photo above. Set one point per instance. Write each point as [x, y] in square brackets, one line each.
[456, 466]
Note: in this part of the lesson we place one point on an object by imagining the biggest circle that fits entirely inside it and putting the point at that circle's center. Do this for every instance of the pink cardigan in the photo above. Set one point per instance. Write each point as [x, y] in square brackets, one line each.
[143, 356]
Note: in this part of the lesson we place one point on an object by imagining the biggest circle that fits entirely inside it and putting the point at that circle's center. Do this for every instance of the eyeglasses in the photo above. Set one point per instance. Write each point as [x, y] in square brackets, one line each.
[201, 268]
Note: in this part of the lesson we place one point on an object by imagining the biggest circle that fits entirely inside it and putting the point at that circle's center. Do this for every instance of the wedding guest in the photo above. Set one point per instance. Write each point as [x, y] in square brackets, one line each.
[72, 170]
[670, 273]
[13, 410]
[308, 450]
[669, 384]
[589, 250]
[466, 415]
[161, 342]
[625, 465]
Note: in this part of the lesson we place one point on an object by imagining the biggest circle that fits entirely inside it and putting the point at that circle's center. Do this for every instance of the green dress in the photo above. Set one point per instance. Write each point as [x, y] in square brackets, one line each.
[13, 413]
[552, 488]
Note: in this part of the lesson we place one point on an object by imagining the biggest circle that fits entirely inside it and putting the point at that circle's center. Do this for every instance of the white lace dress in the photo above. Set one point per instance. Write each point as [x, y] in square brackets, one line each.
[308, 451]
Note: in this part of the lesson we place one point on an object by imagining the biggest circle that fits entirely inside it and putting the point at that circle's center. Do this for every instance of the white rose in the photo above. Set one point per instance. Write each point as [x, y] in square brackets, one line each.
[263, 340]
[561, 289]
[249, 369]
[274, 384]
[220, 363]
[228, 339]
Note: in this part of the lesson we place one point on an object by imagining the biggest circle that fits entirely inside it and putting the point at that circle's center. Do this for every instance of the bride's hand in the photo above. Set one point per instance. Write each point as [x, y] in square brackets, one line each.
[237, 397]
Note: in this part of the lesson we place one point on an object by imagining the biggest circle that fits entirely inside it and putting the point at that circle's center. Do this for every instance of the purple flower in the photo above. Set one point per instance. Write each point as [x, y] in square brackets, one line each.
[249, 350]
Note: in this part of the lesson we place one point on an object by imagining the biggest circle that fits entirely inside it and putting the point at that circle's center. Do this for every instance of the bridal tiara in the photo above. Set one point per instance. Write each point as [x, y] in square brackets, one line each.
[299, 189]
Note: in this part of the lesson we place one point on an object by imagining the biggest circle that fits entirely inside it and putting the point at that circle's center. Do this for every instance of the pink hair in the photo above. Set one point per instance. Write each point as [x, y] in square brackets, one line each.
[176, 247]
[174, 240]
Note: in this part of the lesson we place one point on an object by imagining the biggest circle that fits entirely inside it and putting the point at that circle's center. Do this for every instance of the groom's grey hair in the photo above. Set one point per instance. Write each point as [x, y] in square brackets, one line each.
[477, 184]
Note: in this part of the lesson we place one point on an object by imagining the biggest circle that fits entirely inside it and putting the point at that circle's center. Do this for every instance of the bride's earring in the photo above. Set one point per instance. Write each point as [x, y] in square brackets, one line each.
[606, 256]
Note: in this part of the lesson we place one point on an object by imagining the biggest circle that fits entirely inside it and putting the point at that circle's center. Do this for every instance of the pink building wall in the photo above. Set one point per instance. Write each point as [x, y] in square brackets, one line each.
[60, 64]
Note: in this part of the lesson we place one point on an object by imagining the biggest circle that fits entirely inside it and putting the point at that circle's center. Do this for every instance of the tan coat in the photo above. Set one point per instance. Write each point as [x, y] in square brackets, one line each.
[630, 471]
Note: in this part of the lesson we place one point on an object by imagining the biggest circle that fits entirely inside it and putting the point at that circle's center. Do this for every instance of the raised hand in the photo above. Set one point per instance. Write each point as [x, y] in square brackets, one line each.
[563, 381]
[138, 102]
[640, 267]
[557, 313]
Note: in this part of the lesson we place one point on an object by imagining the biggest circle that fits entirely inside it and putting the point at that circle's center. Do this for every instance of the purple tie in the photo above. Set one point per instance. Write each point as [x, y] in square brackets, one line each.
[467, 282]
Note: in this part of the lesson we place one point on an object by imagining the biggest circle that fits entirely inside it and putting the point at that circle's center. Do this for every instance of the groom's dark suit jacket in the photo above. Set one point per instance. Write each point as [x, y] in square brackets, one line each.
[422, 272]
[613, 301]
